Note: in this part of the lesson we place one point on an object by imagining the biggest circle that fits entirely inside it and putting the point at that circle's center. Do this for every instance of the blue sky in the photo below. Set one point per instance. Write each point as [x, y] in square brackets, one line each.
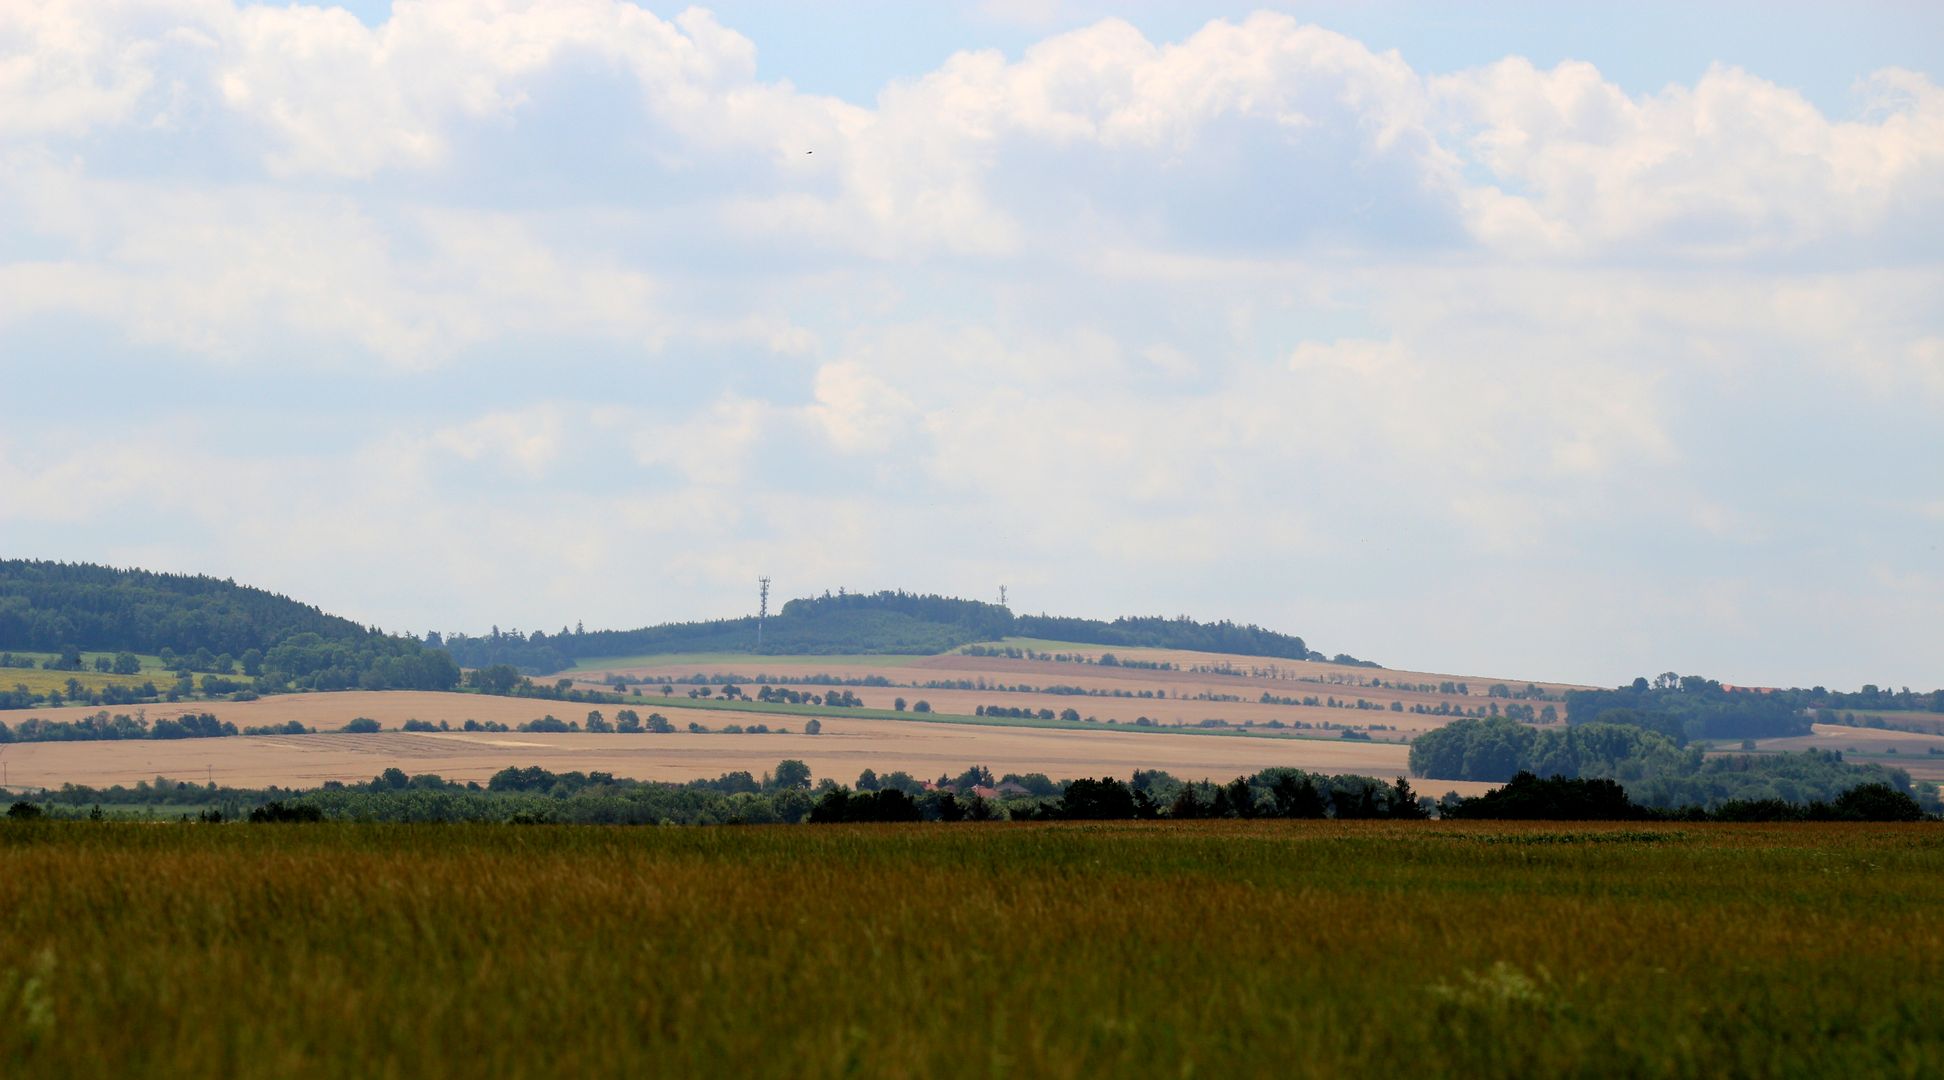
[1526, 340]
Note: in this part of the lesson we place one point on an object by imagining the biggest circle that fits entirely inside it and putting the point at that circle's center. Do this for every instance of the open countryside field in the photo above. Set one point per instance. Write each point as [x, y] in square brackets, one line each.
[848, 745]
[845, 748]
[1211, 948]
[40, 680]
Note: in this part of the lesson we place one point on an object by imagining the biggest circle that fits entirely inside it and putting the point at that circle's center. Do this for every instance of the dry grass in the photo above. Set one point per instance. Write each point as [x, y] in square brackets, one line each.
[1239, 949]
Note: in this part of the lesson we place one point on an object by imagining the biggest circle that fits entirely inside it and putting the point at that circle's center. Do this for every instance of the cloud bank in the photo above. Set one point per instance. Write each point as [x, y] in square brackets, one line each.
[535, 313]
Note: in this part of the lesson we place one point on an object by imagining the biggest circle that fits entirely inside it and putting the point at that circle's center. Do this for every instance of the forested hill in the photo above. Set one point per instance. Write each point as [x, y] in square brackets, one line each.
[884, 622]
[49, 605]
[193, 623]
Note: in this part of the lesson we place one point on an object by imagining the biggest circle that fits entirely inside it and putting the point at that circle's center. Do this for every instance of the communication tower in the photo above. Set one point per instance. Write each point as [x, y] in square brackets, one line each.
[762, 609]
[1002, 596]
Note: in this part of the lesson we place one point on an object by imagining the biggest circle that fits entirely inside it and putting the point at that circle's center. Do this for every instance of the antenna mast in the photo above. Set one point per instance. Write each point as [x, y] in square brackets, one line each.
[1002, 596]
[762, 611]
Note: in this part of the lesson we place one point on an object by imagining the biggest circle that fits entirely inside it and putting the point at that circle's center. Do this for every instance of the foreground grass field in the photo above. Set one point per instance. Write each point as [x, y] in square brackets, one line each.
[1238, 949]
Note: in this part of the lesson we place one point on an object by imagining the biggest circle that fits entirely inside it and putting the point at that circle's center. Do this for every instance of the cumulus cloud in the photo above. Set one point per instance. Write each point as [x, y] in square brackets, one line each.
[593, 299]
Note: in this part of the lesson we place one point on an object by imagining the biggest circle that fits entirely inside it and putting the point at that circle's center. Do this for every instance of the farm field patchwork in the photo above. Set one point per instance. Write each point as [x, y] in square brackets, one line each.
[1199, 686]
[1214, 948]
[845, 748]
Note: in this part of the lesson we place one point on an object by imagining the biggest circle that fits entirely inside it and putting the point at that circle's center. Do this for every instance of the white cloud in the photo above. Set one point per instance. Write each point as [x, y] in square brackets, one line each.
[1261, 304]
[65, 68]
[1732, 166]
[859, 412]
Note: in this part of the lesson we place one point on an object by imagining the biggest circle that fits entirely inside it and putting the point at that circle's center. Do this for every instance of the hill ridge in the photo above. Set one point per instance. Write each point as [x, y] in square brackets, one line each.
[885, 622]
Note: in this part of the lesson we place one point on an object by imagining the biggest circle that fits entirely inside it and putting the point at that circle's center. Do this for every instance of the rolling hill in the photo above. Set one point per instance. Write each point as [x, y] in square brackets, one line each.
[894, 623]
[193, 623]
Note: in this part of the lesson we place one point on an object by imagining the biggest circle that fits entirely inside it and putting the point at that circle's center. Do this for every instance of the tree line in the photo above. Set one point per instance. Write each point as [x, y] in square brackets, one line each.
[105, 727]
[789, 794]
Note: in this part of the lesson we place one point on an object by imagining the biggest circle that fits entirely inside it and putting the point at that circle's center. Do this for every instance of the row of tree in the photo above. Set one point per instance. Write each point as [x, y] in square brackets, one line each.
[790, 794]
[103, 727]
[1527, 797]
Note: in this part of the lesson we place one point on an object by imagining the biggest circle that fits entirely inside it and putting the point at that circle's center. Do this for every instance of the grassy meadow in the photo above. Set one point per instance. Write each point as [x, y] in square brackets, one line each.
[1065, 950]
[40, 681]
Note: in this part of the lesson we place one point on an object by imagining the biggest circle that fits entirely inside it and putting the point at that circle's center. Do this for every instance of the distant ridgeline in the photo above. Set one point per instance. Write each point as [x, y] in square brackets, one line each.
[197, 623]
[884, 622]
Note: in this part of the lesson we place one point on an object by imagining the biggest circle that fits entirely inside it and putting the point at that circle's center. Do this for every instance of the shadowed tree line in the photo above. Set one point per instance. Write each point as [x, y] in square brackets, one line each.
[789, 794]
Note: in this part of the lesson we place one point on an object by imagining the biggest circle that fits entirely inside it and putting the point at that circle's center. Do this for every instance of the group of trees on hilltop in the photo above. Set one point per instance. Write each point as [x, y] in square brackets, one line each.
[1691, 707]
[1180, 632]
[882, 622]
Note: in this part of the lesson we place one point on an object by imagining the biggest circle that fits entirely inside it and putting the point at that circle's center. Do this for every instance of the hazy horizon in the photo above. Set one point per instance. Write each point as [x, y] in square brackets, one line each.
[1512, 341]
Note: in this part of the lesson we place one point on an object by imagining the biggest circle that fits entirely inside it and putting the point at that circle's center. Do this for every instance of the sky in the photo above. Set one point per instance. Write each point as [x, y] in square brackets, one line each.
[1523, 340]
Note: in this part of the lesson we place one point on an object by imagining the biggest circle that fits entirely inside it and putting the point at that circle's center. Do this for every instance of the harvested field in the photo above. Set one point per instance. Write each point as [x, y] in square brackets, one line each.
[1166, 712]
[846, 748]
[1187, 695]
[325, 711]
